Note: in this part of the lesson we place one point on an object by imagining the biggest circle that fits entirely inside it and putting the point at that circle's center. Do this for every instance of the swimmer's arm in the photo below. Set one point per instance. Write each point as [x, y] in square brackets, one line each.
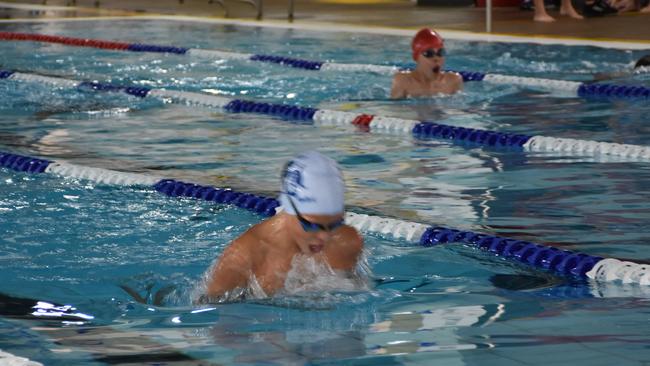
[397, 91]
[231, 272]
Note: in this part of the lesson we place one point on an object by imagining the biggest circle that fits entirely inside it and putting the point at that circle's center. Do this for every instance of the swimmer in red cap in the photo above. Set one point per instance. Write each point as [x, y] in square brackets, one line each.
[427, 78]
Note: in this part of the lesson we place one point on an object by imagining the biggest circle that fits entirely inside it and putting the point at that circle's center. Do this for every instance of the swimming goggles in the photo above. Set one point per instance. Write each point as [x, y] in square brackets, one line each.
[431, 52]
[309, 226]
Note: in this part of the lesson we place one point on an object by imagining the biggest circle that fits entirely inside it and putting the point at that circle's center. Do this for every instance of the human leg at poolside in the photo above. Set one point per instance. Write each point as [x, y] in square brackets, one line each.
[540, 12]
[566, 8]
[645, 7]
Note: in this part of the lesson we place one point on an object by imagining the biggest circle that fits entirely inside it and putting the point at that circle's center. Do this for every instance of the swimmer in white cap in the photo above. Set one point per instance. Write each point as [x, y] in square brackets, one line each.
[311, 225]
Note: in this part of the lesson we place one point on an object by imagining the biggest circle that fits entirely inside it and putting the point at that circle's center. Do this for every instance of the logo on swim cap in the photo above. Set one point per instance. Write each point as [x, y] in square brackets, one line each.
[292, 178]
[425, 39]
[314, 183]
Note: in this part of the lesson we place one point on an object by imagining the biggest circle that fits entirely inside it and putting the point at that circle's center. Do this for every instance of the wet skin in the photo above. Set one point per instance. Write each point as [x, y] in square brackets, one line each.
[267, 249]
[426, 80]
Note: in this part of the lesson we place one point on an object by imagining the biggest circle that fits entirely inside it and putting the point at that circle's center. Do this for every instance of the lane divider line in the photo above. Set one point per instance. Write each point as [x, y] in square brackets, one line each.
[561, 262]
[423, 130]
[570, 87]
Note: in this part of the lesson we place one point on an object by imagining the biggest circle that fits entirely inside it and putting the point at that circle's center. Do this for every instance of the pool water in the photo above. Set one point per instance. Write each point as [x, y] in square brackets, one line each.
[77, 243]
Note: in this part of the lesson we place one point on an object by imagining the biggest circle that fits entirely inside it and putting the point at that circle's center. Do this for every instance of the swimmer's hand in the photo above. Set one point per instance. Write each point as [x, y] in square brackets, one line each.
[157, 298]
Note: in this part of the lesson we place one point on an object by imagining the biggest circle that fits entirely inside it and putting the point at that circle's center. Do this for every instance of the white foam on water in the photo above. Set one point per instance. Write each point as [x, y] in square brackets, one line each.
[309, 276]
[313, 274]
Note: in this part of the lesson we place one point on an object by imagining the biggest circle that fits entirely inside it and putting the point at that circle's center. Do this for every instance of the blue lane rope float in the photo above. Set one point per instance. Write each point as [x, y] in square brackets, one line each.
[609, 90]
[562, 262]
[548, 258]
[5, 74]
[288, 61]
[23, 163]
[571, 87]
[260, 205]
[275, 110]
[323, 117]
[469, 135]
[138, 47]
[131, 90]
[471, 75]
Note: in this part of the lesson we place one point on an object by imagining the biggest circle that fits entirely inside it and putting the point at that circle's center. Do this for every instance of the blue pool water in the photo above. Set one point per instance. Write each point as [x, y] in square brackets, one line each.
[74, 242]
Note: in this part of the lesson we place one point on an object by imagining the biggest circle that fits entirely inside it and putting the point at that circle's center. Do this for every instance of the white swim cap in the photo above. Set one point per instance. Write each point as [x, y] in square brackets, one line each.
[315, 185]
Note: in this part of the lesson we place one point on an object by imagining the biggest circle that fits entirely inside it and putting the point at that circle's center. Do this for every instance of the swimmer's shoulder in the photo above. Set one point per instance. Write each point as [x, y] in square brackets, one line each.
[403, 76]
[454, 77]
[401, 83]
[251, 241]
[454, 80]
[352, 234]
[255, 236]
[349, 248]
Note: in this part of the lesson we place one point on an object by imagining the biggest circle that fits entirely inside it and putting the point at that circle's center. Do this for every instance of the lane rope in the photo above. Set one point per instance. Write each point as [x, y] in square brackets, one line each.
[571, 87]
[422, 130]
[562, 262]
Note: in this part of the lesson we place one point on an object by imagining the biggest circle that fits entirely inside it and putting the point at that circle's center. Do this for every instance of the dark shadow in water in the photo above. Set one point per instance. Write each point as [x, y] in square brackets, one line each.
[519, 282]
[105, 344]
[159, 358]
[31, 309]
[527, 340]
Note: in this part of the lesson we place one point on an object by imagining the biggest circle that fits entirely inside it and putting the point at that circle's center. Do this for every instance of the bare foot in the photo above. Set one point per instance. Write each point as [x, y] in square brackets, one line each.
[645, 10]
[545, 18]
[570, 12]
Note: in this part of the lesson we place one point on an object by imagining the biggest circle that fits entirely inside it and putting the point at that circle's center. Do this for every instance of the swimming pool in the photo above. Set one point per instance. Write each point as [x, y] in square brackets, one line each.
[75, 242]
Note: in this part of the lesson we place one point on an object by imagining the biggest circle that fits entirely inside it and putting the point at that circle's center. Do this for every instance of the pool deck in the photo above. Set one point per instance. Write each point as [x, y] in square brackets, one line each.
[391, 14]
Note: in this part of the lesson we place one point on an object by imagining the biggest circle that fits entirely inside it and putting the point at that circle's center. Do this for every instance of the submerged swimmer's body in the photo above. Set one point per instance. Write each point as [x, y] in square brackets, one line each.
[291, 249]
[642, 65]
[427, 78]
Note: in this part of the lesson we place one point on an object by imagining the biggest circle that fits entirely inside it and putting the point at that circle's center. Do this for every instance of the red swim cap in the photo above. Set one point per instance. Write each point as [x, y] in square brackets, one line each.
[424, 40]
